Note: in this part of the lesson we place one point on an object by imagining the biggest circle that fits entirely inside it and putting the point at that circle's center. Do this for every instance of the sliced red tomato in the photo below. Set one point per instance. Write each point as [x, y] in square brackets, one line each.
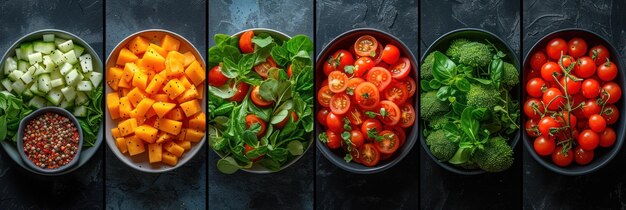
[410, 85]
[249, 148]
[216, 77]
[366, 46]
[352, 84]
[370, 124]
[390, 113]
[362, 65]
[401, 69]
[255, 95]
[337, 81]
[324, 95]
[380, 77]
[389, 142]
[292, 115]
[252, 119]
[340, 103]
[289, 71]
[408, 115]
[396, 92]
[245, 42]
[242, 91]
[263, 68]
[390, 54]
[334, 122]
[399, 131]
[369, 155]
[355, 116]
[367, 95]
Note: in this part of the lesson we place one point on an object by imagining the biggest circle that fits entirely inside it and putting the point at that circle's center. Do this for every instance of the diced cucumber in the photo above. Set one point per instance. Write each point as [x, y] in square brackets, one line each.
[55, 75]
[15, 75]
[72, 78]
[40, 71]
[86, 63]
[66, 68]
[58, 41]
[84, 86]
[66, 104]
[57, 57]
[35, 58]
[81, 99]
[18, 54]
[55, 96]
[70, 57]
[18, 86]
[69, 93]
[48, 37]
[44, 83]
[47, 61]
[10, 65]
[6, 83]
[22, 65]
[35, 89]
[43, 47]
[26, 49]
[95, 78]
[37, 102]
[80, 111]
[66, 46]
[27, 78]
[56, 82]
[78, 50]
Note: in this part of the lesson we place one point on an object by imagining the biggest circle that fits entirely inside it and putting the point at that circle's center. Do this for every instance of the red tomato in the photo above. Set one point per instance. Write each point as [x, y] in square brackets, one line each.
[392, 113]
[599, 54]
[591, 88]
[255, 95]
[321, 116]
[357, 138]
[340, 103]
[324, 95]
[545, 124]
[216, 77]
[242, 91]
[245, 42]
[367, 95]
[334, 122]
[399, 131]
[337, 81]
[553, 98]
[586, 67]
[607, 71]
[334, 140]
[380, 77]
[252, 119]
[410, 85]
[355, 116]
[263, 68]
[532, 128]
[610, 114]
[533, 108]
[292, 115]
[597, 123]
[401, 69]
[366, 46]
[549, 70]
[368, 125]
[396, 92]
[390, 54]
[535, 87]
[611, 92]
[353, 83]
[544, 146]
[537, 60]
[588, 140]
[567, 118]
[572, 86]
[369, 155]
[362, 65]
[577, 47]
[556, 47]
[591, 107]
[562, 158]
[566, 61]
[408, 115]
[389, 143]
[607, 138]
[289, 71]
[582, 156]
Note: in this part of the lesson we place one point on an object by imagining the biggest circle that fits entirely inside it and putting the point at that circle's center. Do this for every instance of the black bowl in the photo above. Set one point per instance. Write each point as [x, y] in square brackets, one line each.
[442, 44]
[602, 155]
[344, 41]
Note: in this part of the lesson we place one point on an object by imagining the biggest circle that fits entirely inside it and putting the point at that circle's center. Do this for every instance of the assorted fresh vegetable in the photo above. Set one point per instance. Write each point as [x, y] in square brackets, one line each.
[156, 99]
[261, 99]
[571, 97]
[367, 101]
[466, 104]
[51, 72]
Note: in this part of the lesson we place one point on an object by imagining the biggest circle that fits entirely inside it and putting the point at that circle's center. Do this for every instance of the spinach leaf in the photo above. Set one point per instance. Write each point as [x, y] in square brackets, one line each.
[496, 67]
[444, 69]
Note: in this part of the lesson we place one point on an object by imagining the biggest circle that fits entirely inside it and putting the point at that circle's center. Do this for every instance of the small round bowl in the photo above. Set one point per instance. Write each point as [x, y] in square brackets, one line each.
[257, 168]
[602, 156]
[86, 153]
[442, 44]
[343, 41]
[20, 139]
[140, 162]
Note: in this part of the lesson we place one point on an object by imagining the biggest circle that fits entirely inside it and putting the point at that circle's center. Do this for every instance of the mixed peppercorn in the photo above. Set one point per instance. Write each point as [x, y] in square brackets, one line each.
[51, 141]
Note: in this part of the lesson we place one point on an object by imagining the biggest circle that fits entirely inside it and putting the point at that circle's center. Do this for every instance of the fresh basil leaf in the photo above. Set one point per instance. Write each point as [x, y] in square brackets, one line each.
[425, 85]
[479, 80]
[496, 67]
[469, 125]
[227, 165]
[280, 55]
[295, 148]
[279, 154]
[224, 92]
[270, 164]
[444, 69]
[434, 84]
[3, 128]
[262, 42]
[221, 39]
[299, 43]
[229, 68]
[462, 84]
[258, 152]
[443, 93]
[280, 116]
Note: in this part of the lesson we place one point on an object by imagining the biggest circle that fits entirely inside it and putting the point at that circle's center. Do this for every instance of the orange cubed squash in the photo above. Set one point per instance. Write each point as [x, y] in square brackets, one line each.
[113, 104]
[114, 75]
[194, 135]
[129, 71]
[124, 84]
[173, 148]
[183, 80]
[152, 60]
[176, 114]
[198, 122]
[121, 145]
[140, 80]
[125, 108]
[190, 94]
[143, 107]
[116, 133]
[195, 73]
[161, 97]
[155, 152]
[189, 58]
[151, 113]
[170, 126]
[174, 88]
[135, 145]
[163, 137]
[162, 108]
[191, 107]
[127, 127]
[138, 45]
[135, 96]
[170, 43]
[200, 90]
[147, 133]
[184, 144]
[169, 159]
[157, 49]
[174, 66]
[156, 83]
[125, 56]
[181, 135]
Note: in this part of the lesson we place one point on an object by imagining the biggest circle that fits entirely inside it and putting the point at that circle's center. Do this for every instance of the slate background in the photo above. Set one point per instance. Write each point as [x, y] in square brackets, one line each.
[19, 188]
[291, 188]
[441, 189]
[185, 187]
[605, 188]
[397, 187]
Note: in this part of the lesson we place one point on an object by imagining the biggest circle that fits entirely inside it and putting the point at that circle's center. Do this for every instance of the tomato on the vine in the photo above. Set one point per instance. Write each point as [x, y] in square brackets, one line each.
[535, 87]
[582, 156]
[591, 88]
[556, 47]
[533, 108]
[611, 92]
[550, 70]
[562, 158]
[588, 139]
[553, 98]
[537, 60]
[599, 54]
[610, 114]
[577, 47]
[607, 138]
[607, 71]
[544, 146]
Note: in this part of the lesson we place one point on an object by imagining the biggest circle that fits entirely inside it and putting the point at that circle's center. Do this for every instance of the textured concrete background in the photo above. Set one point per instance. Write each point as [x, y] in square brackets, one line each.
[291, 188]
[441, 188]
[605, 188]
[185, 187]
[21, 189]
[397, 187]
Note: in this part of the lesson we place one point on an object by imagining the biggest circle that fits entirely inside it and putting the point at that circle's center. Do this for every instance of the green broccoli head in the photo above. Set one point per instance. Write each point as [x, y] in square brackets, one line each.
[440, 146]
[437, 122]
[496, 156]
[510, 76]
[455, 47]
[480, 95]
[431, 106]
[426, 70]
[473, 54]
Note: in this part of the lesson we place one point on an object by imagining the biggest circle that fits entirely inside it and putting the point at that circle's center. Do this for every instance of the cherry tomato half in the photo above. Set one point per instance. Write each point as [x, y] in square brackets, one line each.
[366, 46]
[216, 77]
[401, 68]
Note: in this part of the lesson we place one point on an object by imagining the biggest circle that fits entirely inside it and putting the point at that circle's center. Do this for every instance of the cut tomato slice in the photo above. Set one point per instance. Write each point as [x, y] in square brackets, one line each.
[245, 42]
[337, 81]
[366, 46]
[355, 116]
[410, 85]
[397, 92]
[408, 115]
[255, 95]
[339, 103]
[367, 95]
[263, 68]
[389, 143]
[401, 68]
[369, 155]
[389, 113]
[324, 95]
[380, 77]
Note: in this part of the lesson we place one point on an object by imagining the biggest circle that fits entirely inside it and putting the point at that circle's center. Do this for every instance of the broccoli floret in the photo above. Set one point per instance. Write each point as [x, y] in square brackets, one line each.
[455, 46]
[437, 122]
[496, 156]
[440, 147]
[432, 106]
[426, 70]
[473, 54]
[480, 95]
[510, 76]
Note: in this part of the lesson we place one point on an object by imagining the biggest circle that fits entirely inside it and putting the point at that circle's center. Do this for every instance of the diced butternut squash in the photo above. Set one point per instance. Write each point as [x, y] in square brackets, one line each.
[113, 104]
[183, 80]
[140, 80]
[135, 145]
[121, 145]
[114, 75]
[200, 90]
[125, 56]
[143, 107]
[152, 60]
[176, 114]
[173, 148]
[135, 96]
[125, 108]
[170, 126]
[184, 144]
[169, 159]
[127, 127]
[156, 83]
[189, 58]
[174, 66]
[181, 135]
[129, 71]
[195, 73]
[158, 49]
[174, 88]
[155, 152]
[116, 133]
[190, 94]
[151, 113]
[191, 107]
[147, 133]
[162, 108]
[170, 43]
[163, 137]
[161, 98]
[138, 45]
[198, 122]
[124, 84]
[193, 135]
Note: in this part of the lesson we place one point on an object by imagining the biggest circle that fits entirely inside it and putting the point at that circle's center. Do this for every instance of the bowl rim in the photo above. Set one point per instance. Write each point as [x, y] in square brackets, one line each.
[619, 140]
[110, 142]
[7, 146]
[411, 138]
[514, 57]
[263, 170]
[32, 116]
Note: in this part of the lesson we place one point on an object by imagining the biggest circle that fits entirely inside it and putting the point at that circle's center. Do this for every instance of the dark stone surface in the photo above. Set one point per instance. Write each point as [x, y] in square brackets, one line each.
[19, 188]
[603, 189]
[291, 188]
[396, 188]
[439, 187]
[185, 187]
